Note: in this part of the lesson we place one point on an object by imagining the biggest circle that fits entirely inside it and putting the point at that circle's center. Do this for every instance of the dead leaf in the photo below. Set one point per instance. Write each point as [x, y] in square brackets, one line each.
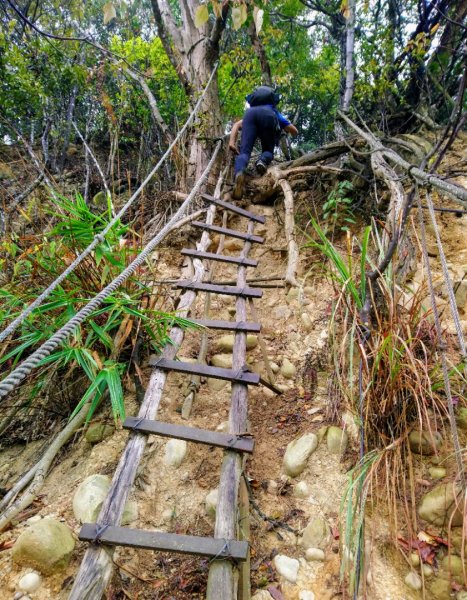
[258, 15]
[201, 15]
[6, 544]
[109, 12]
[275, 593]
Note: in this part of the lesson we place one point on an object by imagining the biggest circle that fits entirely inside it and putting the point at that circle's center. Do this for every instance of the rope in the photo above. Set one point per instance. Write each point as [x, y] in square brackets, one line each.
[447, 279]
[447, 386]
[23, 370]
[99, 238]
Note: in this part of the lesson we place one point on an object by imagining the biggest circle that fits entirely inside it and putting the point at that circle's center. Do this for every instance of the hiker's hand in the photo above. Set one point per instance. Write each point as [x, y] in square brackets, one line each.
[233, 148]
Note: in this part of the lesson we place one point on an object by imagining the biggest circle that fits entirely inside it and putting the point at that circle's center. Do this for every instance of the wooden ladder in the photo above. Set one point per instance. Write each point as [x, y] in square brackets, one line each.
[223, 548]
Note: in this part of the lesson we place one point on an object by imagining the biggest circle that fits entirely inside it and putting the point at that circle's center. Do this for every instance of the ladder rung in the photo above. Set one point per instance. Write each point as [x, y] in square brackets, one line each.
[235, 260]
[240, 376]
[248, 237]
[229, 325]
[230, 441]
[235, 209]
[164, 542]
[227, 290]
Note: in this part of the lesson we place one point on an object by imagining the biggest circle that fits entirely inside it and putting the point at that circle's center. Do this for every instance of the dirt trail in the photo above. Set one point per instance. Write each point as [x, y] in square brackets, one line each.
[294, 327]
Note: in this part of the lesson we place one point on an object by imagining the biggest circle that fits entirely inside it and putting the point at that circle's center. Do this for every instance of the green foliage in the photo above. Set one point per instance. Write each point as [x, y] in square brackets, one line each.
[98, 349]
[342, 270]
[338, 207]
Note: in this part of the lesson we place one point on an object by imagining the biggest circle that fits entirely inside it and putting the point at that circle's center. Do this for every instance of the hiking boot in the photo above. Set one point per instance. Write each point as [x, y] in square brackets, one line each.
[237, 193]
[261, 167]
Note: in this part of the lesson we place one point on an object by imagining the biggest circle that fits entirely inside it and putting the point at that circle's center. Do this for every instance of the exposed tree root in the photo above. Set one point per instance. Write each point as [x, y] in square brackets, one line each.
[292, 248]
[39, 471]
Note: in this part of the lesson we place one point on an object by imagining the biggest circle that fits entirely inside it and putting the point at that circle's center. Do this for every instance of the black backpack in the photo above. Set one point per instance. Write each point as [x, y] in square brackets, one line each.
[263, 95]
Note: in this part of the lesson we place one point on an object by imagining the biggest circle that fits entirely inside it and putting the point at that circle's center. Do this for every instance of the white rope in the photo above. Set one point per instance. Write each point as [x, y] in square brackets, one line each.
[99, 238]
[23, 370]
[442, 350]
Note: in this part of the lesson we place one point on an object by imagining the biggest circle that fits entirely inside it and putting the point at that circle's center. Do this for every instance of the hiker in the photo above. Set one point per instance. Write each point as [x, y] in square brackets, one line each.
[261, 120]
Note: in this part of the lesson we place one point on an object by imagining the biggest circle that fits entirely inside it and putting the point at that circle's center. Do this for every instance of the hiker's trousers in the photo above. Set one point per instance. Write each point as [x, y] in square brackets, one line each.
[258, 122]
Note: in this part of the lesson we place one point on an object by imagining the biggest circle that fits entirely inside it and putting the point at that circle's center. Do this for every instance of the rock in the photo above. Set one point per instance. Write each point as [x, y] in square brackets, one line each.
[336, 440]
[462, 418]
[233, 244]
[287, 567]
[437, 472]
[18, 596]
[282, 312]
[224, 426]
[314, 554]
[427, 570]
[262, 595]
[90, 495]
[130, 512]
[216, 385]
[175, 452]
[293, 294]
[168, 514]
[462, 595]
[322, 431]
[306, 595]
[306, 321]
[457, 539]
[424, 442]
[30, 582]
[288, 370]
[461, 294]
[437, 506]
[297, 454]
[46, 546]
[272, 487]
[100, 201]
[452, 565]
[33, 519]
[222, 360]
[414, 559]
[315, 534]
[226, 342]
[440, 589]
[97, 432]
[301, 490]
[211, 502]
[413, 581]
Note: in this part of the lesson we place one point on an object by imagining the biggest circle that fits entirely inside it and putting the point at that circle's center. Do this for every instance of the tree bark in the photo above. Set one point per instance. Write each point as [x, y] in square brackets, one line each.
[194, 53]
[260, 52]
[349, 55]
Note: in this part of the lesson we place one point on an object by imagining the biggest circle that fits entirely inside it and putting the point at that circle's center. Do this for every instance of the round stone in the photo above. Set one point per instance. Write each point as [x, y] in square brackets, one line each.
[46, 546]
[413, 581]
[287, 567]
[297, 454]
[315, 554]
[30, 582]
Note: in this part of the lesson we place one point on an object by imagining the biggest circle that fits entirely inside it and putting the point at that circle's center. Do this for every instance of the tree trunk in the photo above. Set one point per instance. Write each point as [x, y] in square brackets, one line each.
[194, 53]
[258, 47]
[349, 55]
